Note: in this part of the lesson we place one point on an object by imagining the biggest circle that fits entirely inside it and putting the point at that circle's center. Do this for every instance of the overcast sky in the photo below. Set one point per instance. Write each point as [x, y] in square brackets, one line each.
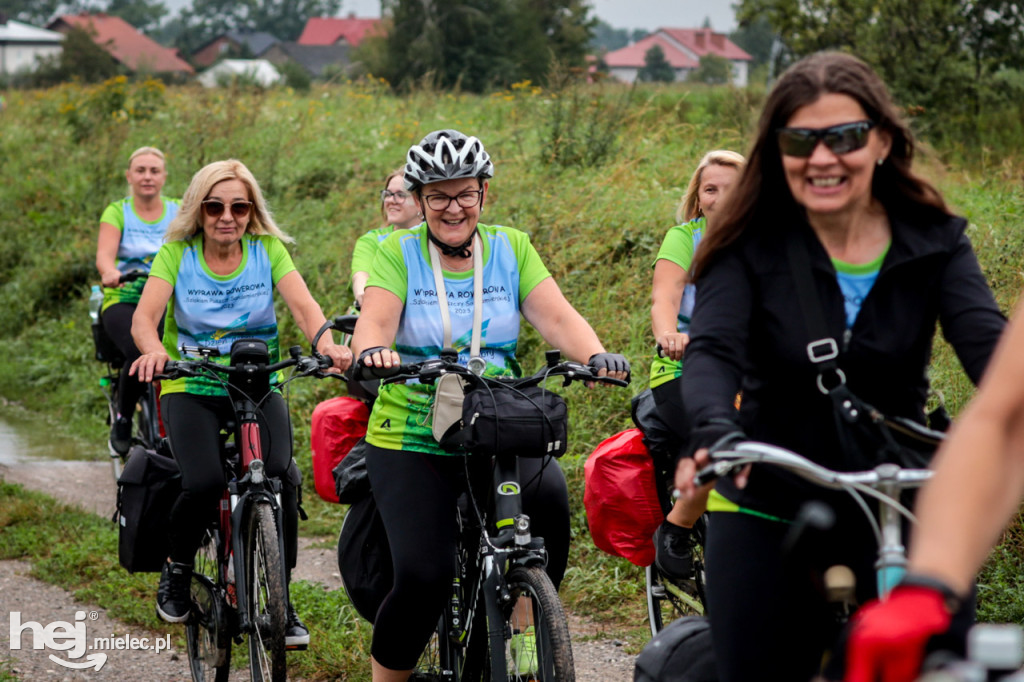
[631, 14]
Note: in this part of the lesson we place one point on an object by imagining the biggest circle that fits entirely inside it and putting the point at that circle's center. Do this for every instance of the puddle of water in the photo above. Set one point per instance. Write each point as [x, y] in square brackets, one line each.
[25, 437]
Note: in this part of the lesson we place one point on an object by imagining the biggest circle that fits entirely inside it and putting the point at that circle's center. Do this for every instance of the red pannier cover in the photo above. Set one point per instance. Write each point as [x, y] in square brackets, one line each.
[338, 424]
[621, 497]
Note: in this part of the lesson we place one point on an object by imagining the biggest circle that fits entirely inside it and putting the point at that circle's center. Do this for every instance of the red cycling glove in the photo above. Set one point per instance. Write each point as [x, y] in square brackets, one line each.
[887, 642]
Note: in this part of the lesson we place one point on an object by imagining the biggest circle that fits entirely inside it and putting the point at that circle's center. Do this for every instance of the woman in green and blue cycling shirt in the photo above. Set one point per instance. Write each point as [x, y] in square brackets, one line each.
[401, 210]
[131, 231]
[214, 279]
[414, 481]
[672, 298]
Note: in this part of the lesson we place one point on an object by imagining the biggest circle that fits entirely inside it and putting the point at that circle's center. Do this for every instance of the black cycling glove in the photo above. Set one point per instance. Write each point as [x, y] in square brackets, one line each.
[716, 434]
[613, 362]
[360, 372]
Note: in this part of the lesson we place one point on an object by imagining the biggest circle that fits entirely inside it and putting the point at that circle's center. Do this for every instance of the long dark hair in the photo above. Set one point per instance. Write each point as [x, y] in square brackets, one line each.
[761, 198]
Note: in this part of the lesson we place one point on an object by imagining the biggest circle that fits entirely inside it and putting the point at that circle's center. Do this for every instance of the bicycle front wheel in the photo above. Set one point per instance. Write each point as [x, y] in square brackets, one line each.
[537, 644]
[265, 595]
[207, 629]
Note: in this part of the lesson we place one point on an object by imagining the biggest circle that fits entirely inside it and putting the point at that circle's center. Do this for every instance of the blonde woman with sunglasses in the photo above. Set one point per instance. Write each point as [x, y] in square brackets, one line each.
[224, 255]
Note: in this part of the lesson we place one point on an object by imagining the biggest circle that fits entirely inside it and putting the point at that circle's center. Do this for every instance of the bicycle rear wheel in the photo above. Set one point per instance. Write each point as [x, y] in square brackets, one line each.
[207, 631]
[668, 598]
[537, 644]
[441, 660]
[265, 595]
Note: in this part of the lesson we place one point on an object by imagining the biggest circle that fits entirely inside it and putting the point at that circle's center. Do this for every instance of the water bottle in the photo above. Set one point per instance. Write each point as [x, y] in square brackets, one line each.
[95, 303]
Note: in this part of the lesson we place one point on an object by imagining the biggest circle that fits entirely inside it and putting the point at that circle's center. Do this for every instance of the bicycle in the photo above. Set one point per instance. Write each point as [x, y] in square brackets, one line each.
[883, 484]
[146, 428]
[670, 598]
[238, 582]
[500, 589]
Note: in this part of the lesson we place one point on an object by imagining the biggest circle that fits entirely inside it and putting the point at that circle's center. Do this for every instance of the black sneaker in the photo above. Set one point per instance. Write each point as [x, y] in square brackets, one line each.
[296, 635]
[672, 550]
[121, 435]
[173, 599]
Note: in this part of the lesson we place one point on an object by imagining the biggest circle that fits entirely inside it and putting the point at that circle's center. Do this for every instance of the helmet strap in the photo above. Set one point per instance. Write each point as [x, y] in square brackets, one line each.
[461, 251]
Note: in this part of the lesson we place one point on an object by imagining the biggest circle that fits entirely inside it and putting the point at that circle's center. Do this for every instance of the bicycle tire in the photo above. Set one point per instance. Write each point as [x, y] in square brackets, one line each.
[207, 632]
[265, 595]
[147, 419]
[551, 660]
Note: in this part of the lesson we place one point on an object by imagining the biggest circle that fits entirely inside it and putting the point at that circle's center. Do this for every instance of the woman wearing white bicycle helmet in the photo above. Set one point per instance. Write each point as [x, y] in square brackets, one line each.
[414, 481]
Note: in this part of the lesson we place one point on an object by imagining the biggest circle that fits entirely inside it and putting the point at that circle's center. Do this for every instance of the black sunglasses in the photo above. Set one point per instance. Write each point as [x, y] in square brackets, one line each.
[215, 208]
[840, 139]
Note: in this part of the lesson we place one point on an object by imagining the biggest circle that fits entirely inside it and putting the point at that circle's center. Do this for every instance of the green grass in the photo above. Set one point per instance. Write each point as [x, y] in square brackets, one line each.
[592, 173]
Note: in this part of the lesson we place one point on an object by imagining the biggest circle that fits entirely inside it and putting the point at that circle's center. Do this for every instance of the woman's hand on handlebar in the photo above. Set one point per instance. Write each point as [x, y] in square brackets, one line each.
[379, 357]
[685, 472]
[111, 278]
[611, 365]
[672, 344]
[149, 365]
[341, 356]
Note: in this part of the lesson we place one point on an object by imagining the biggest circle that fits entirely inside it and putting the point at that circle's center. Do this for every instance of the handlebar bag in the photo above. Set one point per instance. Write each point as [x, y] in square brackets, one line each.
[526, 422]
[620, 495]
[148, 487]
[337, 424]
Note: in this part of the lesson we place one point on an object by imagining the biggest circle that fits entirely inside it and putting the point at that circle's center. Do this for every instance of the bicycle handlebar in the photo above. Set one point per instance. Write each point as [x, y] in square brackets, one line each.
[430, 370]
[730, 461]
[133, 275]
[305, 365]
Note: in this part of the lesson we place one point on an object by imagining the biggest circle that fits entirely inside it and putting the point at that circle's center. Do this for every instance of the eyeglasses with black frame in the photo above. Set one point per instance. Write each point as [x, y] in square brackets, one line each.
[840, 139]
[441, 202]
[401, 196]
[214, 208]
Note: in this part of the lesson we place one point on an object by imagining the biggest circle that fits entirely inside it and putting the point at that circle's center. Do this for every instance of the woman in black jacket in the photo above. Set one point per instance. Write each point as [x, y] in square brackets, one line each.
[829, 176]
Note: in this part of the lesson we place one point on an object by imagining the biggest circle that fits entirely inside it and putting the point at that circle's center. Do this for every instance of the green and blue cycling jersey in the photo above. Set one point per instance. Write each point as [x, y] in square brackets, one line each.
[512, 268]
[366, 248]
[208, 309]
[678, 247]
[140, 240]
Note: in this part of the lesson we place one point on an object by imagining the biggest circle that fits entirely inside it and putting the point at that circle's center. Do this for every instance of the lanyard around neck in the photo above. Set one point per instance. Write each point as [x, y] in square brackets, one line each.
[478, 296]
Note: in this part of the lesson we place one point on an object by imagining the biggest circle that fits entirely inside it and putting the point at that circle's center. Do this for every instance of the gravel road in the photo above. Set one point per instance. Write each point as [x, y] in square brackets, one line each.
[90, 486]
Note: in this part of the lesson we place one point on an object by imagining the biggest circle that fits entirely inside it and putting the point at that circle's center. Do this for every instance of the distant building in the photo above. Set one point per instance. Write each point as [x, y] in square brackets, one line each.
[315, 59]
[333, 31]
[683, 48]
[255, 71]
[133, 50]
[23, 45]
[234, 44]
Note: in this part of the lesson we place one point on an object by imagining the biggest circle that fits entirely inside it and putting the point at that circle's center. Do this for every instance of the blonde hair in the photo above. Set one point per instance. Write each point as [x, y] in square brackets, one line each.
[689, 207]
[146, 150]
[397, 173]
[189, 220]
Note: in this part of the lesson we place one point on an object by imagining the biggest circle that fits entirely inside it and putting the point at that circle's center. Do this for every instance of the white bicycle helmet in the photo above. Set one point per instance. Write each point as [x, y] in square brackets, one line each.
[446, 155]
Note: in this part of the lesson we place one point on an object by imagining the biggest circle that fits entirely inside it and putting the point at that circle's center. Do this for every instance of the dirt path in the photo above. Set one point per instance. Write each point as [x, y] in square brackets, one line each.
[90, 486]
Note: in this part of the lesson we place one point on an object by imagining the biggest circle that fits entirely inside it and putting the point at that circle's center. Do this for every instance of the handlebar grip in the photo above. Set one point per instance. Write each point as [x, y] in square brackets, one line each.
[706, 475]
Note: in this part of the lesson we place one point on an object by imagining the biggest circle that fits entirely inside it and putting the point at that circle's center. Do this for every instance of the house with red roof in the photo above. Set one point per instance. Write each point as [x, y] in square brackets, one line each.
[335, 30]
[132, 49]
[683, 48]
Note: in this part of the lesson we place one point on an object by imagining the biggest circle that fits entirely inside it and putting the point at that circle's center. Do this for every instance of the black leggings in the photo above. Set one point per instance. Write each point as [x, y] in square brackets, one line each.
[769, 620]
[117, 322]
[417, 495]
[193, 424]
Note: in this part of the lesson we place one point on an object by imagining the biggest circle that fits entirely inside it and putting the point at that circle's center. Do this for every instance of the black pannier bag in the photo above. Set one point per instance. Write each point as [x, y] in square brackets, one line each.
[364, 558]
[529, 422]
[147, 489]
[681, 652]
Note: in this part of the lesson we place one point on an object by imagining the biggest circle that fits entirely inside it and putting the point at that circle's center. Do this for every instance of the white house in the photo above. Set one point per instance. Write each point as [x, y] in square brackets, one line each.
[23, 45]
[683, 48]
[255, 71]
